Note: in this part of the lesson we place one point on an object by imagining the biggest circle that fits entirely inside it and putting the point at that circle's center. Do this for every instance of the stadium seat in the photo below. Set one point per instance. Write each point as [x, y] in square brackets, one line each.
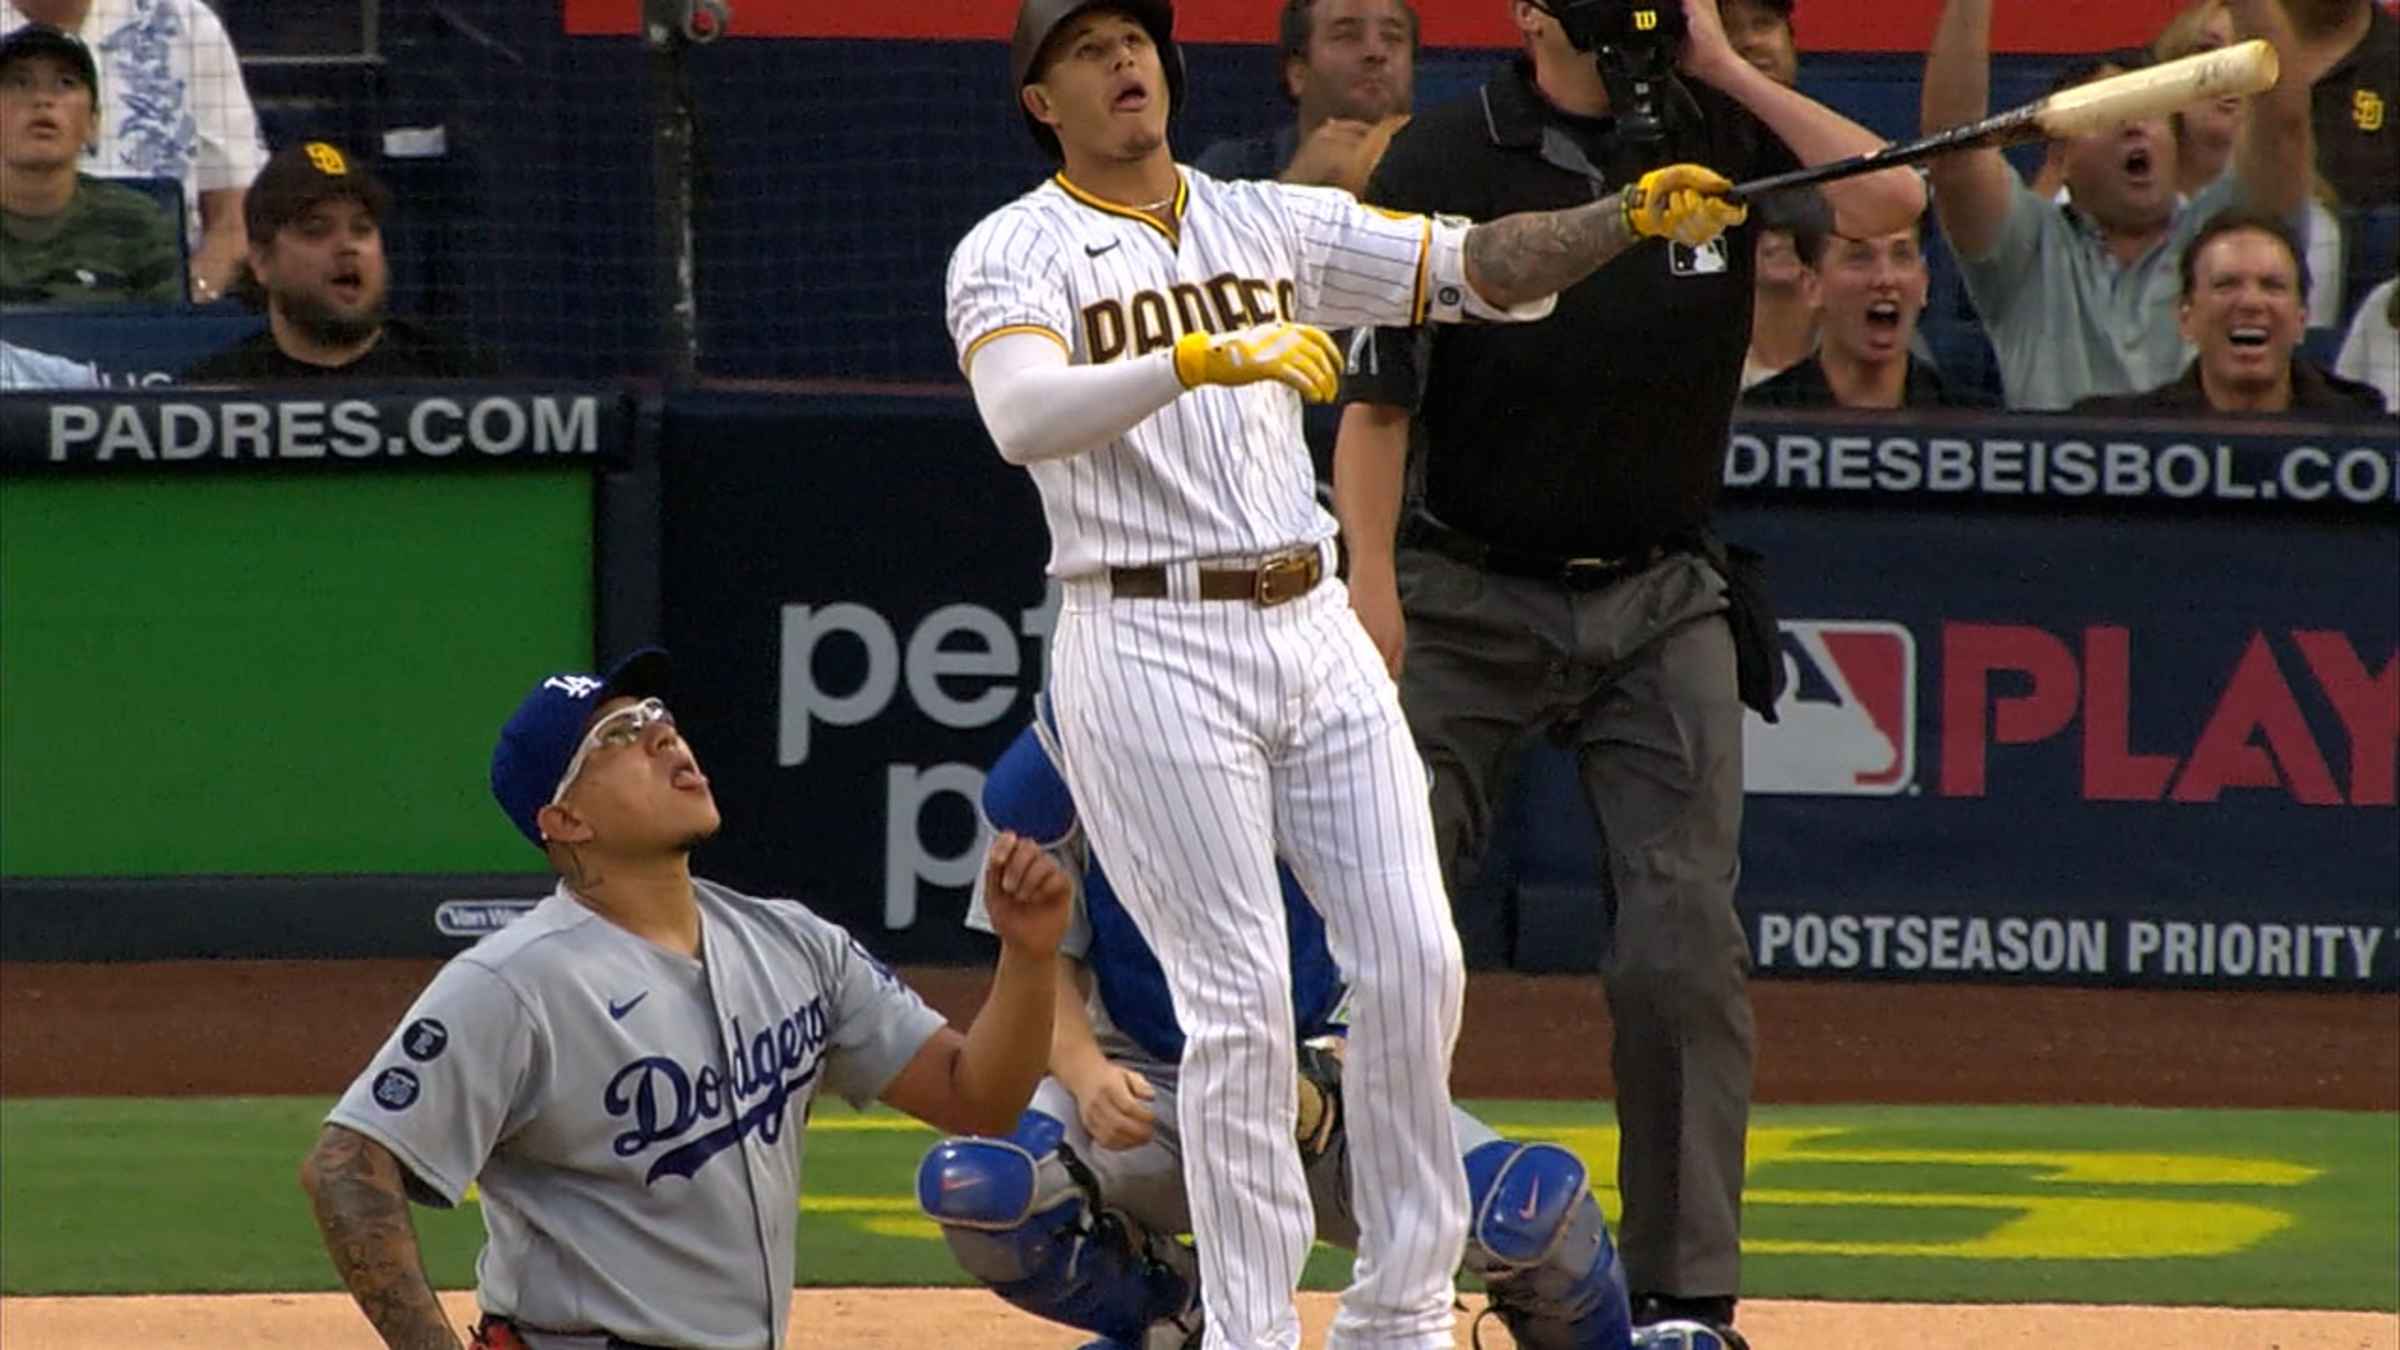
[2371, 253]
[168, 193]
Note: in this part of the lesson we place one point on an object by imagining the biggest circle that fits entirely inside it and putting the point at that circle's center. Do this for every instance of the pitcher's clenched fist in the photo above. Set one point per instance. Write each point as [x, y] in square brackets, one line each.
[1027, 894]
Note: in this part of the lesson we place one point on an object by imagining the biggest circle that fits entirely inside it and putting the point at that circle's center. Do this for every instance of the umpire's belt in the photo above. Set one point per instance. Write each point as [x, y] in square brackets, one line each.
[1580, 574]
[1286, 576]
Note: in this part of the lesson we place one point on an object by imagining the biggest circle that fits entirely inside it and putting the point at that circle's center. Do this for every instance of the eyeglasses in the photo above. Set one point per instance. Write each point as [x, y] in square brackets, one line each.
[619, 729]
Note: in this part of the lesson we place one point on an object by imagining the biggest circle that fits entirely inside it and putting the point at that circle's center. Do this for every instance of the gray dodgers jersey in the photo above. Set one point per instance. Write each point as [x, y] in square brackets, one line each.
[635, 1117]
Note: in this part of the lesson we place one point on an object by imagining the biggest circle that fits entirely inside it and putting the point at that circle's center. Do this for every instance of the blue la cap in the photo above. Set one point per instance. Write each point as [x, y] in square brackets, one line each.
[540, 739]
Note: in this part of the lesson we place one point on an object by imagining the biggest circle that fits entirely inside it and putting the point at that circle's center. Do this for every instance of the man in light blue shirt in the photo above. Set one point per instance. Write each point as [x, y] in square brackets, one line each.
[25, 368]
[2080, 299]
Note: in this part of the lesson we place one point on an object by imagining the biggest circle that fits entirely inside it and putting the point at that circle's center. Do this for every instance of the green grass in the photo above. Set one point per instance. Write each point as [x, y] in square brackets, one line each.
[2237, 1208]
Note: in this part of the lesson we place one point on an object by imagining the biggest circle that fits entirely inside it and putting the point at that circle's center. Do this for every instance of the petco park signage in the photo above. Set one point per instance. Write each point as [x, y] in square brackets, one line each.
[2108, 740]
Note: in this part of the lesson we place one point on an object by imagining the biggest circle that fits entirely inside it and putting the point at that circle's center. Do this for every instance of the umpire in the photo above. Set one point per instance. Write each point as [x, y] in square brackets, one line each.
[1556, 569]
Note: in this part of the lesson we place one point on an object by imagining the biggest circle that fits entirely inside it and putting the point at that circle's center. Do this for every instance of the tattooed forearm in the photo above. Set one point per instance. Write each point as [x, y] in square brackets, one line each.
[354, 1184]
[1536, 253]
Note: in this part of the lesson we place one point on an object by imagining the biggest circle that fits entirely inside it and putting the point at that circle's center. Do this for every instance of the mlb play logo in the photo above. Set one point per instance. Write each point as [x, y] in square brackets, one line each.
[1847, 722]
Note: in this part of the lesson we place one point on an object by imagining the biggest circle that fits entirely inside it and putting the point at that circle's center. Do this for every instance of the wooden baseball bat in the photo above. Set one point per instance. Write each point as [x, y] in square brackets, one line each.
[2153, 91]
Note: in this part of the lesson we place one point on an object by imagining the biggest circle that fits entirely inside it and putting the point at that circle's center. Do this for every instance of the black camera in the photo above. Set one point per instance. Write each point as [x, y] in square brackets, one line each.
[1635, 43]
[1647, 32]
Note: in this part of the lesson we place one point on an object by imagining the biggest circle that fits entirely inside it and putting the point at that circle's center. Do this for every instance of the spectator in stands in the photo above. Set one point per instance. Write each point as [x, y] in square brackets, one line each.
[1349, 68]
[2205, 134]
[2243, 277]
[2081, 299]
[67, 237]
[1761, 33]
[2371, 354]
[316, 247]
[1783, 313]
[1783, 309]
[25, 368]
[2350, 50]
[1874, 290]
[172, 105]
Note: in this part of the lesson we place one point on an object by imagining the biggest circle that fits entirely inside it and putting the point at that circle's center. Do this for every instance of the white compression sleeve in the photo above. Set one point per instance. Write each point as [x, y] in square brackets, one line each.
[1037, 407]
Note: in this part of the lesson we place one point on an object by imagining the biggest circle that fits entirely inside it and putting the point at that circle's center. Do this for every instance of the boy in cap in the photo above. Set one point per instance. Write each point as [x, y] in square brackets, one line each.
[65, 236]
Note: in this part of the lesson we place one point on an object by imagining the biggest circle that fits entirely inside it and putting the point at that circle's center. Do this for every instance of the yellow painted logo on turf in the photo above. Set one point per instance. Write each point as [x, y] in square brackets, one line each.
[2038, 1223]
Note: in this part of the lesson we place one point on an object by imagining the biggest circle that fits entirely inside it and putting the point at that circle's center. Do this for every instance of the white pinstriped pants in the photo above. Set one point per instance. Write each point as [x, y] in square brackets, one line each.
[1201, 737]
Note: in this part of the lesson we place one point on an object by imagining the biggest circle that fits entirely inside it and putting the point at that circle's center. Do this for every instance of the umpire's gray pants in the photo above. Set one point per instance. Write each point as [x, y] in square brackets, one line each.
[1638, 680]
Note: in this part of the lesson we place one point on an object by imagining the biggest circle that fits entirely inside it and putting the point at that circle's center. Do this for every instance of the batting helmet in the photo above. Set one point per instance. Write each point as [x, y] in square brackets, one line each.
[1038, 19]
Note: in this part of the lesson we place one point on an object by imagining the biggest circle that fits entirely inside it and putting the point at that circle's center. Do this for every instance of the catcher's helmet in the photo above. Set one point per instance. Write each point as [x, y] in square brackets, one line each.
[1038, 19]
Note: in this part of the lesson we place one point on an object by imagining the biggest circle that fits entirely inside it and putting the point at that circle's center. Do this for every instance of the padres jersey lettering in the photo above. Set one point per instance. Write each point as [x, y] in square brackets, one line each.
[1219, 472]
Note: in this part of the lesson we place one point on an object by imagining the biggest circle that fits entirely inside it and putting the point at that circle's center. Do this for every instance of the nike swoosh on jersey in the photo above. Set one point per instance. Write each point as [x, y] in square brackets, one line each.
[618, 1010]
[1090, 252]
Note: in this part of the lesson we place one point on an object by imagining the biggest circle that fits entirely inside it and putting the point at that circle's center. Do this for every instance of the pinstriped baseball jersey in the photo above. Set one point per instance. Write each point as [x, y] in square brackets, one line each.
[634, 1117]
[1219, 472]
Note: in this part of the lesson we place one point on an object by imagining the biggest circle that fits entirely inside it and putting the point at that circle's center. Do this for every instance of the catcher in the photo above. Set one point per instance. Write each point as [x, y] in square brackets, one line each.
[1075, 1215]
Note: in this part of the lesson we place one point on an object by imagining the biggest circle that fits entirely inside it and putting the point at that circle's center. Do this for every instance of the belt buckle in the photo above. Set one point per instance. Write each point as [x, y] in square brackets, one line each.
[1286, 578]
[1573, 568]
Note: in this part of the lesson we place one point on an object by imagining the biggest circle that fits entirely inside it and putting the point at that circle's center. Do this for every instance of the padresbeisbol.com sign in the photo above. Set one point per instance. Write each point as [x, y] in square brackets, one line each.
[2093, 465]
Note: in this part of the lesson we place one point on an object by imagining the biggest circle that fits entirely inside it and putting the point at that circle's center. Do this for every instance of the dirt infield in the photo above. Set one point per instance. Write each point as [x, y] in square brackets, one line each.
[239, 1028]
[911, 1319]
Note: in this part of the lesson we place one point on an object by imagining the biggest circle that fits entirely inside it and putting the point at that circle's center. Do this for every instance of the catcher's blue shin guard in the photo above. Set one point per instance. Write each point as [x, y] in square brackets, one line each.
[1023, 1216]
[1539, 1243]
[1687, 1336]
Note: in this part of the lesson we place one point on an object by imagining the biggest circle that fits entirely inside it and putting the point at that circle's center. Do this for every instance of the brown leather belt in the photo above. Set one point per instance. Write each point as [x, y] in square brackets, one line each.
[1285, 577]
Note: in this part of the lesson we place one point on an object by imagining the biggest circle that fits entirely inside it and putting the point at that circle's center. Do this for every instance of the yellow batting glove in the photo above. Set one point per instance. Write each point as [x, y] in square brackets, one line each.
[1682, 202]
[1289, 353]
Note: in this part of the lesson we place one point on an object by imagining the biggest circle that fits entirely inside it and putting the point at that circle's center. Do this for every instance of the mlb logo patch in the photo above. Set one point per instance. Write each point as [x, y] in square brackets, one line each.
[1847, 722]
[1708, 260]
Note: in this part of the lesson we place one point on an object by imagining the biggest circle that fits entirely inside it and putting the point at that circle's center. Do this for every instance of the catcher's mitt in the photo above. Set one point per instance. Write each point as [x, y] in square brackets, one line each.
[1320, 1102]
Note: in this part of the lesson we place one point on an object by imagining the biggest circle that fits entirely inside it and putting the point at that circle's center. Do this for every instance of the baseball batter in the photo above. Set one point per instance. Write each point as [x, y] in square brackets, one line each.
[1073, 1216]
[626, 1071]
[1140, 337]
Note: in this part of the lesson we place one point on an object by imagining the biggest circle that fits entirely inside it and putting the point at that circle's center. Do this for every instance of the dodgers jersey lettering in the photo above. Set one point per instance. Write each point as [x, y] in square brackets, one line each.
[634, 1117]
[1219, 472]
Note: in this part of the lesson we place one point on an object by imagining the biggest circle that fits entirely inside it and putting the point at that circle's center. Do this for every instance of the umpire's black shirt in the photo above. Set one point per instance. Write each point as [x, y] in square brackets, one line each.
[1600, 430]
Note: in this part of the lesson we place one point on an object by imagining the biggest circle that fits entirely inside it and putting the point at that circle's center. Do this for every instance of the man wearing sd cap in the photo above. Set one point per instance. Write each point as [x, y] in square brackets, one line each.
[626, 1071]
[316, 249]
[1557, 571]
